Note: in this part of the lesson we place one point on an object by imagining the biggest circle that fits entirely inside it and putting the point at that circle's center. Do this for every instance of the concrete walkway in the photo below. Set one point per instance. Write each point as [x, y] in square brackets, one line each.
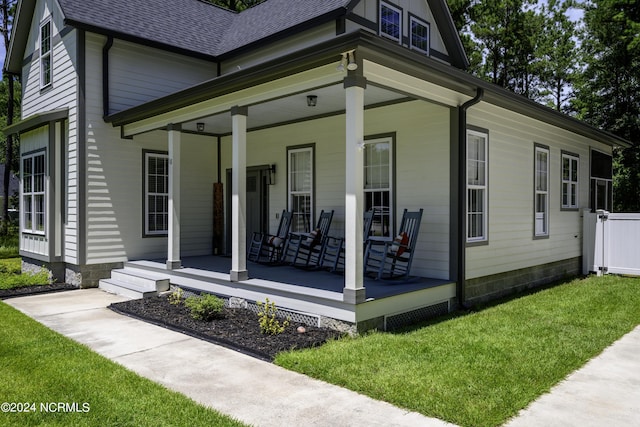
[604, 392]
[250, 390]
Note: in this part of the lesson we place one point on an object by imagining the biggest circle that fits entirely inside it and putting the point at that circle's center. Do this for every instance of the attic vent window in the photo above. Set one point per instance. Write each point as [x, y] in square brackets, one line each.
[391, 21]
[46, 70]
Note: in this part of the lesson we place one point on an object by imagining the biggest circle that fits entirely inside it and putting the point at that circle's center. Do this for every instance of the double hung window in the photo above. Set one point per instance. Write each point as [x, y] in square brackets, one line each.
[34, 192]
[419, 35]
[541, 178]
[570, 165]
[477, 170]
[300, 184]
[46, 63]
[601, 181]
[378, 184]
[156, 194]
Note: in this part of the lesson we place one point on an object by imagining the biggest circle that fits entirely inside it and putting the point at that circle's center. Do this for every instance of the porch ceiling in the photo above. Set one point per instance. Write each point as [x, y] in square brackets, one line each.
[292, 108]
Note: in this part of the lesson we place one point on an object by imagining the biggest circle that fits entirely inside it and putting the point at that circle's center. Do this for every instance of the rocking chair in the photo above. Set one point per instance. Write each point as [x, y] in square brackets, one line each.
[306, 249]
[392, 259]
[333, 257]
[267, 248]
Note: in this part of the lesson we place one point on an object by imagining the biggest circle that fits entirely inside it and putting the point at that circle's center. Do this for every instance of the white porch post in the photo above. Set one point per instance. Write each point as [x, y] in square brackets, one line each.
[173, 251]
[354, 291]
[239, 195]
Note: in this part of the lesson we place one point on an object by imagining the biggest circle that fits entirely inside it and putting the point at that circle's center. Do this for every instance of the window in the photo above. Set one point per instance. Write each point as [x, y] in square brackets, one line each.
[33, 193]
[477, 169]
[378, 184]
[541, 177]
[419, 35]
[391, 21]
[300, 184]
[601, 181]
[46, 70]
[570, 165]
[156, 189]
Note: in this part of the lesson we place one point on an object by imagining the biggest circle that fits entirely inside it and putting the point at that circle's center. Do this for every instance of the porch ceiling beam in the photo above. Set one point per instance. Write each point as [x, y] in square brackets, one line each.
[297, 83]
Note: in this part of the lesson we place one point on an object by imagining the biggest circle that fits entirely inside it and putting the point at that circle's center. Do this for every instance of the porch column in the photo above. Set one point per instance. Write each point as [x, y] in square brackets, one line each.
[239, 195]
[354, 291]
[173, 244]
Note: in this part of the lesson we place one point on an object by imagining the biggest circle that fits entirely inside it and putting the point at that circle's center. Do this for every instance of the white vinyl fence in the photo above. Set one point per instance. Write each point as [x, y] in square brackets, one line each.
[611, 243]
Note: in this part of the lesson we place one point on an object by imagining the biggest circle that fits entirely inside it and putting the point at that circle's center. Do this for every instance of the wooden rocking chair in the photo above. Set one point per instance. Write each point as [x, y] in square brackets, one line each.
[267, 248]
[306, 249]
[392, 259]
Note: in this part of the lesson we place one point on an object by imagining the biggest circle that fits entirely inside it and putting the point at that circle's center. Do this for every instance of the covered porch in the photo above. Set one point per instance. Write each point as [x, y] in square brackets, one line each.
[314, 296]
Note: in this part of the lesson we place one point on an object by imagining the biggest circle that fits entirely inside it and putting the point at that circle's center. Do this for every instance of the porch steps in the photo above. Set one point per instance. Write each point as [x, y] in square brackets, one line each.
[135, 284]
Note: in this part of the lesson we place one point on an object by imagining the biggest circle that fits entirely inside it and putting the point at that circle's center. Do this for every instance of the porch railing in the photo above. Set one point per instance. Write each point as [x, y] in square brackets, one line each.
[611, 243]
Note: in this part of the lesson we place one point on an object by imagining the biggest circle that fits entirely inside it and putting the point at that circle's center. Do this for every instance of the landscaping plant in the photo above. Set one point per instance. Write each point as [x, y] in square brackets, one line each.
[269, 324]
[176, 297]
[206, 307]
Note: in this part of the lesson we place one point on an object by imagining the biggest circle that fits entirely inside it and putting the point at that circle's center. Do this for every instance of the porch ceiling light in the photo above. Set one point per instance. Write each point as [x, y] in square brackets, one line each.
[312, 100]
[352, 65]
[200, 126]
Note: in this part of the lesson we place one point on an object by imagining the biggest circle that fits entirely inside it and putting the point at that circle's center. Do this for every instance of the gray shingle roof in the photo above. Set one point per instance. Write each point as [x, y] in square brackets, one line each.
[194, 25]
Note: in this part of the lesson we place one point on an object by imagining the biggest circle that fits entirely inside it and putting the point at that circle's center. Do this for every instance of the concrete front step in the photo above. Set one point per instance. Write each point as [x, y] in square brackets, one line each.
[134, 283]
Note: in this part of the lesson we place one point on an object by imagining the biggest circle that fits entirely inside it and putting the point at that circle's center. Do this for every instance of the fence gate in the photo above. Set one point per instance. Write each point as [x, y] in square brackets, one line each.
[611, 243]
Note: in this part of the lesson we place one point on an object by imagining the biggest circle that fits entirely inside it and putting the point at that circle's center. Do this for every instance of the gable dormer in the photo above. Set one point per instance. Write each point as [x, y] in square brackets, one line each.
[424, 26]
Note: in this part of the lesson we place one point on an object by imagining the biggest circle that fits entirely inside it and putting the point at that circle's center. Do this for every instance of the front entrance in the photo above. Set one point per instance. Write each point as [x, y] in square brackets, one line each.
[257, 203]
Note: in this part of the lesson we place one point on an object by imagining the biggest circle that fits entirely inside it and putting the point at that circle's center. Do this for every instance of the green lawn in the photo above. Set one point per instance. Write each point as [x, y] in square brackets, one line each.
[481, 369]
[11, 277]
[38, 366]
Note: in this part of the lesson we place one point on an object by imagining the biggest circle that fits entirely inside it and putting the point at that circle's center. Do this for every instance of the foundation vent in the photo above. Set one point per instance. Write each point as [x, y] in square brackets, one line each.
[399, 320]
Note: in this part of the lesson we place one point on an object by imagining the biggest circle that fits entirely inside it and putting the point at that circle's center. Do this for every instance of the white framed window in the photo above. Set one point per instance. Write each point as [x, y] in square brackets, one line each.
[34, 203]
[378, 184]
[477, 174]
[570, 168]
[300, 163]
[46, 62]
[391, 21]
[541, 193]
[419, 37]
[156, 193]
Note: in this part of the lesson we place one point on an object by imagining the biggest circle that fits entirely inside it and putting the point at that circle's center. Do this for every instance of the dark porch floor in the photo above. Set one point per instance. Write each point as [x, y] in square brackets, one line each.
[316, 279]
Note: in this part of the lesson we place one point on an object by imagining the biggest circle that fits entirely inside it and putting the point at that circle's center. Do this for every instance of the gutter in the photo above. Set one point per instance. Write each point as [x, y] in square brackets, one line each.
[105, 76]
[461, 276]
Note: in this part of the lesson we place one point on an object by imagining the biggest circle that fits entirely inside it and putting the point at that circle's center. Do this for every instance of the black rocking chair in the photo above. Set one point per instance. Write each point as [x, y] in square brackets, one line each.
[333, 257]
[267, 248]
[392, 259]
[306, 249]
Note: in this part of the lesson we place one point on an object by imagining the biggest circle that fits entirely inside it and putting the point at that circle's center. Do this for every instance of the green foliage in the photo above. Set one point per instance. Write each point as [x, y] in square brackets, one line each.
[205, 307]
[176, 297]
[269, 323]
[236, 5]
[43, 366]
[480, 369]
[12, 277]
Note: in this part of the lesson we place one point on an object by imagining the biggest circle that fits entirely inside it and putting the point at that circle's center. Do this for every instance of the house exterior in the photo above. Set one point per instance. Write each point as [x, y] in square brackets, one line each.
[140, 119]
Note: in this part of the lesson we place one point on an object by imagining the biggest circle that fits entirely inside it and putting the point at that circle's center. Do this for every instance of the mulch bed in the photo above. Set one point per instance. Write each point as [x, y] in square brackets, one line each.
[34, 290]
[237, 329]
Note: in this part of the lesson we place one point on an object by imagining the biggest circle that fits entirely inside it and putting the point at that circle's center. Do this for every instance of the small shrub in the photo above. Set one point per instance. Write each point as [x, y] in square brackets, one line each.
[269, 324]
[205, 307]
[176, 297]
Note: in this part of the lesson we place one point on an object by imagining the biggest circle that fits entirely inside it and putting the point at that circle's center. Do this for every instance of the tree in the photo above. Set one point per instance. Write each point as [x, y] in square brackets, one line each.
[8, 10]
[608, 92]
[236, 5]
[557, 54]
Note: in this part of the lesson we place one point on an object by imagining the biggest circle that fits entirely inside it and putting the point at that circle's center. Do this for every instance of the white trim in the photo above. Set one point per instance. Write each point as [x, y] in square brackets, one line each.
[309, 192]
[390, 214]
[147, 156]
